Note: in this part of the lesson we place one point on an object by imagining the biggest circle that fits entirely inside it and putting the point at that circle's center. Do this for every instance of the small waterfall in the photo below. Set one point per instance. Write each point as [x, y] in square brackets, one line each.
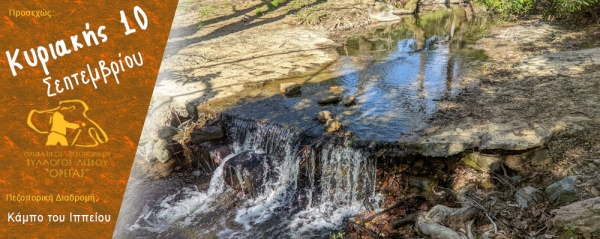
[304, 191]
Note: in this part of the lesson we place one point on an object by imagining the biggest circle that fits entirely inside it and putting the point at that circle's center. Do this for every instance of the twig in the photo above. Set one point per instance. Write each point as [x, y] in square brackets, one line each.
[493, 223]
[469, 230]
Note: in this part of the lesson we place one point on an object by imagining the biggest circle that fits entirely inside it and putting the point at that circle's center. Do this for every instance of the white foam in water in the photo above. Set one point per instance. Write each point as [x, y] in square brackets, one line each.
[347, 182]
[194, 203]
[277, 194]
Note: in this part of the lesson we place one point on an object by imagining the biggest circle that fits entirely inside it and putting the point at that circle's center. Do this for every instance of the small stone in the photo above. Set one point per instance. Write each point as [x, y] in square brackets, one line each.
[290, 89]
[597, 162]
[563, 191]
[591, 165]
[335, 89]
[527, 195]
[514, 162]
[423, 183]
[487, 183]
[148, 147]
[330, 100]
[350, 101]
[482, 162]
[161, 151]
[324, 116]
[332, 125]
[594, 191]
[541, 157]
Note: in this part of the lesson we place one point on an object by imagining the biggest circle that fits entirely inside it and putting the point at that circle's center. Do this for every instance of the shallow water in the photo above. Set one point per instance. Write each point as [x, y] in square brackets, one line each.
[398, 72]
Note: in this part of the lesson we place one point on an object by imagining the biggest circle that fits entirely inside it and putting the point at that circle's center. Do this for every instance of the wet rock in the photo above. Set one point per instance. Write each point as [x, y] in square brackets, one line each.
[167, 132]
[563, 191]
[527, 195]
[332, 125]
[290, 89]
[330, 100]
[482, 162]
[207, 134]
[583, 216]
[541, 157]
[249, 171]
[350, 101]
[161, 151]
[324, 116]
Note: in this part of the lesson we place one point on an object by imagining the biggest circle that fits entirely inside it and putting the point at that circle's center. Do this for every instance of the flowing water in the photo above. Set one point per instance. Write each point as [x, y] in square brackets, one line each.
[305, 192]
[279, 183]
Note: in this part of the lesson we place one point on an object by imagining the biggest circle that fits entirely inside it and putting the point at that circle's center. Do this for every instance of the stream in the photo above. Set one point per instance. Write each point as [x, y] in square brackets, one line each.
[281, 182]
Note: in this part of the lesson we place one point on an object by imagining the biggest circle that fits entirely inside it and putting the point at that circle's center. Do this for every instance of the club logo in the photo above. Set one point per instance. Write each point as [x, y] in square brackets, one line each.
[65, 124]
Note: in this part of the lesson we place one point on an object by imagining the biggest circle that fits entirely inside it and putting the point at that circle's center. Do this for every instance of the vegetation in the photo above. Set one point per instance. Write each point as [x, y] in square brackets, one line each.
[510, 7]
[549, 8]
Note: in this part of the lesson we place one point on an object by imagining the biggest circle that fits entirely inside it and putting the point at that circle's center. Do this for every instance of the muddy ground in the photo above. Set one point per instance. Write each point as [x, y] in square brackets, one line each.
[540, 86]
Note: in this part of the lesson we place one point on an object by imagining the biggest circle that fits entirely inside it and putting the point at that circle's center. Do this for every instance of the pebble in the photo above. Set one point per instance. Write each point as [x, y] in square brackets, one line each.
[595, 192]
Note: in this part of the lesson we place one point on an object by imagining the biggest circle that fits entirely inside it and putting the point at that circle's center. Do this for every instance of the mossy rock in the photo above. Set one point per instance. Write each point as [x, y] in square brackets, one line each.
[482, 162]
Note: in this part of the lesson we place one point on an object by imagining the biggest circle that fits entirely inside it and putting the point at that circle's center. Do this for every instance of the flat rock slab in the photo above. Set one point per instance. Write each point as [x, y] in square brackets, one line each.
[583, 215]
[456, 139]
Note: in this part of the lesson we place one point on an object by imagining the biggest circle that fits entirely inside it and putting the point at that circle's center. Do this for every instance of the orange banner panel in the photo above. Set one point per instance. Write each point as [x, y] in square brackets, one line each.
[77, 77]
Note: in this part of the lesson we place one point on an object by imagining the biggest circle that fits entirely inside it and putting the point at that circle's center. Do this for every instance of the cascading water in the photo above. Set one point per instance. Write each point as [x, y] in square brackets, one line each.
[304, 191]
